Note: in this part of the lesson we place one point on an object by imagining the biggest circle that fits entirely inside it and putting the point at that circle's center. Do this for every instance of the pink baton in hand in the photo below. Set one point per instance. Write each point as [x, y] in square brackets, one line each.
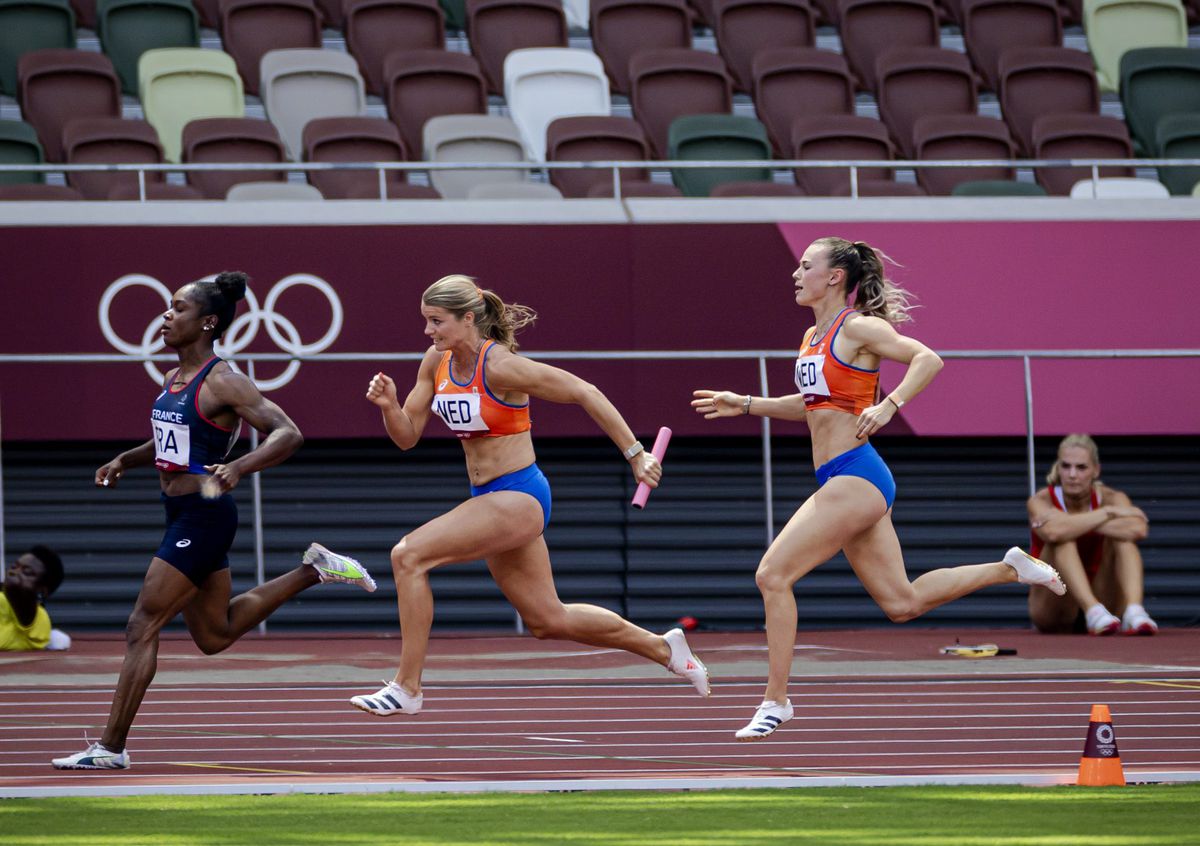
[658, 451]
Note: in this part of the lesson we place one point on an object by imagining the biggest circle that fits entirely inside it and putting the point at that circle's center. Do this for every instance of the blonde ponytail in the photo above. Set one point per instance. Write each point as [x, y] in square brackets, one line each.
[875, 294]
[496, 320]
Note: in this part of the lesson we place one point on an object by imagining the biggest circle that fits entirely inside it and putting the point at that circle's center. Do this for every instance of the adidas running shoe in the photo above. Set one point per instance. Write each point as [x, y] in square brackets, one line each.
[684, 663]
[390, 699]
[769, 716]
[332, 567]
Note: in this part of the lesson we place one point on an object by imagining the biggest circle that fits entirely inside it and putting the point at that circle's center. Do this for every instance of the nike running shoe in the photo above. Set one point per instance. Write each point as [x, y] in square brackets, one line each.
[1034, 571]
[95, 758]
[684, 663]
[390, 699]
[769, 716]
[332, 567]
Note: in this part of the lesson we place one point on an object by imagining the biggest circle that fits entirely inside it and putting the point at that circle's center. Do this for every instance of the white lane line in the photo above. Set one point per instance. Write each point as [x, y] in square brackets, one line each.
[555, 739]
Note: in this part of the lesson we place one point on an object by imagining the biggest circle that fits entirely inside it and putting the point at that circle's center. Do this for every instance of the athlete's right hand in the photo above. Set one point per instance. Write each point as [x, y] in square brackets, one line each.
[108, 475]
[713, 404]
[382, 391]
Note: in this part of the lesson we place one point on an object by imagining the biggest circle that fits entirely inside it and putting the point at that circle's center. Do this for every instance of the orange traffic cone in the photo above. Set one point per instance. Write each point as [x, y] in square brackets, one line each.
[1101, 763]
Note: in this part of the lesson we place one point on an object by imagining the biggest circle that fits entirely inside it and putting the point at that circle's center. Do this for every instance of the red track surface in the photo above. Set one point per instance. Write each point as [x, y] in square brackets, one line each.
[517, 722]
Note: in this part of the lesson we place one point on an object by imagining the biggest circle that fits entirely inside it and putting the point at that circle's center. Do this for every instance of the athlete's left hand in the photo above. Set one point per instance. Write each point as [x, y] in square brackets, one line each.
[224, 476]
[875, 418]
[646, 468]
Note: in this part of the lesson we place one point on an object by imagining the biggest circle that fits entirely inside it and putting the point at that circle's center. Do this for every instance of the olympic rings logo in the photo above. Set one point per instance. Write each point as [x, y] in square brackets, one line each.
[240, 334]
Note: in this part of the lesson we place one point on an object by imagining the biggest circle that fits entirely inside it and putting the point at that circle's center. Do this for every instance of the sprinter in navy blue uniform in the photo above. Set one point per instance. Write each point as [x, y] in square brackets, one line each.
[195, 421]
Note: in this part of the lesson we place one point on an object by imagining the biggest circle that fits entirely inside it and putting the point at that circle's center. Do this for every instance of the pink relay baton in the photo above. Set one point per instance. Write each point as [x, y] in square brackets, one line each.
[658, 451]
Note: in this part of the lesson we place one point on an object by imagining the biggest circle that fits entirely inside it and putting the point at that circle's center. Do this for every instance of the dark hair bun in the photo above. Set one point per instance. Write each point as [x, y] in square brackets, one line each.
[232, 284]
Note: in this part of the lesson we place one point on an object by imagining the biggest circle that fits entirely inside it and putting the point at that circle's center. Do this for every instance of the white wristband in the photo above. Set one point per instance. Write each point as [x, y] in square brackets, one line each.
[633, 451]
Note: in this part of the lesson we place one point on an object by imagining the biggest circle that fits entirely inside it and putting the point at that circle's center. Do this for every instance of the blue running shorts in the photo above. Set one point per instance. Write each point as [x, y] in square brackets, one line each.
[865, 463]
[199, 534]
[529, 480]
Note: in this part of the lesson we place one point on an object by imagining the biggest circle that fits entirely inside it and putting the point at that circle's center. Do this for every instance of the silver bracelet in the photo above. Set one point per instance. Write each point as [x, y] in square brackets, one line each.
[634, 451]
[746, 404]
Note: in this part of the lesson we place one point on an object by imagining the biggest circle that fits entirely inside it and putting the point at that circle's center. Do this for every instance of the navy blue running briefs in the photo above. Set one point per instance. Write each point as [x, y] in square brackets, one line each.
[199, 534]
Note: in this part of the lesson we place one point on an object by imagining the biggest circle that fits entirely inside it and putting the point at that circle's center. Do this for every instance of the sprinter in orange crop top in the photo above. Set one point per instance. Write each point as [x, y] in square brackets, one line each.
[475, 382]
[837, 379]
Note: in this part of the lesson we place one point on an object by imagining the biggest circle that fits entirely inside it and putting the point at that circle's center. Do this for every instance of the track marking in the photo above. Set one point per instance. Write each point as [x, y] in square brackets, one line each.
[1191, 686]
[230, 767]
[556, 739]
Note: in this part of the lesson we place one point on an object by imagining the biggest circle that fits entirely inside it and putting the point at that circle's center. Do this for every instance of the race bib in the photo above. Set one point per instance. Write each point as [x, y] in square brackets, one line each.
[810, 376]
[461, 412]
[172, 445]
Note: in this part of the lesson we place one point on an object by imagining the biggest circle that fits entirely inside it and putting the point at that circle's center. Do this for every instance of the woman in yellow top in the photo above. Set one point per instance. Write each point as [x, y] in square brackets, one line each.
[28, 582]
[837, 376]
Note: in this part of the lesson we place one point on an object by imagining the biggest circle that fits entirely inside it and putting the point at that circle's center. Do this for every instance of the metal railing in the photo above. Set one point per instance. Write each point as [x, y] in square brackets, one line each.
[383, 168]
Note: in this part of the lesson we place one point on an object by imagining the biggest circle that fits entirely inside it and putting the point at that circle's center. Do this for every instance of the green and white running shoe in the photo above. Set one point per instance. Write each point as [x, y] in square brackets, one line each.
[332, 567]
[95, 757]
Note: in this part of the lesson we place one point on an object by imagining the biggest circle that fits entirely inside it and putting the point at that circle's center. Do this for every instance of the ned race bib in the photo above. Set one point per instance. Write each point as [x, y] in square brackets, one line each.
[810, 376]
[460, 412]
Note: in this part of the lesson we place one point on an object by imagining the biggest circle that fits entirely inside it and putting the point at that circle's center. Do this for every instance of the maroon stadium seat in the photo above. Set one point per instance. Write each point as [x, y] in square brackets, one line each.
[635, 189]
[790, 81]
[746, 27]
[594, 138]
[109, 140]
[869, 28]
[1037, 81]
[666, 84]
[352, 139]
[961, 137]
[916, 81]
[239, 140]
[497, 27]
[374, 28]
[622, 28]
[1079, 136]
[835, 138]
[30, 192]
[992, 26]
[250, 28]
[55, 86]
[154, 191]
[880, 188]
[755, 189]
[420, 84]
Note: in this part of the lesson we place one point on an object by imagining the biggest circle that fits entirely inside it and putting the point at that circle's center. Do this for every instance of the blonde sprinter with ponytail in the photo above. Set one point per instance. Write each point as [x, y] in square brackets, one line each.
[472, 378]
[837, 374]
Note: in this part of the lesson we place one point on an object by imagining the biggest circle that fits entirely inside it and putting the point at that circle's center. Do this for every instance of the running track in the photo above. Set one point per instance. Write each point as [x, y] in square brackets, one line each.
[967, 723]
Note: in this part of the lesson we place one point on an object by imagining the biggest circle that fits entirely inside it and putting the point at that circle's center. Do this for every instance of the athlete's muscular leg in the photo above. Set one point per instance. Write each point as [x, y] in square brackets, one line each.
[525, 577]
[1052, 614]
[478, 528]
[1129, 573]
[216, 622]
[164, 593]
[811, 537]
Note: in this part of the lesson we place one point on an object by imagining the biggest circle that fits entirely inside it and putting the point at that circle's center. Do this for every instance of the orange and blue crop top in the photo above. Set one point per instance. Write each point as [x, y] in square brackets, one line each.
[470, 409]
[828, 382]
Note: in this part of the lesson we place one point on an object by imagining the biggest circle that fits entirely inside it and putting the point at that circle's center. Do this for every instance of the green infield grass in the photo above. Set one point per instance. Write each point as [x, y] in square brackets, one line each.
[1138, 815]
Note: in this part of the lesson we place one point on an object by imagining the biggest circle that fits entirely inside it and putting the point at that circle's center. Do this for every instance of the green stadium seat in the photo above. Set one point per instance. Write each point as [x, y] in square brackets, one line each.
[1157, 81]
[997, 188]
[180, 84]
[128, 28]
[712, 137]
[31, 25]
[19, 145]
[1179, 138]
[1116, 26]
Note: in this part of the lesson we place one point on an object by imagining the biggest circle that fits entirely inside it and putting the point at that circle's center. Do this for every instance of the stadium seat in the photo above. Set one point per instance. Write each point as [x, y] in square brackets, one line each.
[1115, 26]
[513, 191]
[179, 85]
[54, 86]
[19, 145]
[128, 28]
[1179, 138]
[879, 188]
[208, 11]
[85, 13]
[837, 138]
[332, 15]
[997, 188]
[992, 26]
[265, 192]
[666, 84]
[1071, 12]
[590, 138]
[913, 82]
[1078, 137]
[300, 85]
[375, 28]
[471, 138]
[1158, 81]
[154, 191]
[108, 140]
[713, 138]
[623, 28]
[967, 136]
[497, 27]
[395, 191]
[578, 14]
[545, 83]
[755, 189]
[231, 140]
[456, 14]
[37, 192]
[352, 139]
[789, 81]
[252, 28]
[421, 84]
[1116, 187]
[1036, 81]
[746, 27]
[869, 28]
[635, 188]
[27, 25]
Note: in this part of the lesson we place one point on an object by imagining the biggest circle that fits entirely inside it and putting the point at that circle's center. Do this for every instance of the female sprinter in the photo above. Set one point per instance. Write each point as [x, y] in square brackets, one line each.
[475, 382]
[837, 374]
[195, 420]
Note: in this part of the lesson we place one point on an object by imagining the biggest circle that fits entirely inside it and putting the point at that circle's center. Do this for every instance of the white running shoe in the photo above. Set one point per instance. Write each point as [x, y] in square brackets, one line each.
[684, 663]
[769, 716]
[332, 567]
[1138, 623]
[1034, 571]
[390, 699]
[1102, 623]
[95, 758]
